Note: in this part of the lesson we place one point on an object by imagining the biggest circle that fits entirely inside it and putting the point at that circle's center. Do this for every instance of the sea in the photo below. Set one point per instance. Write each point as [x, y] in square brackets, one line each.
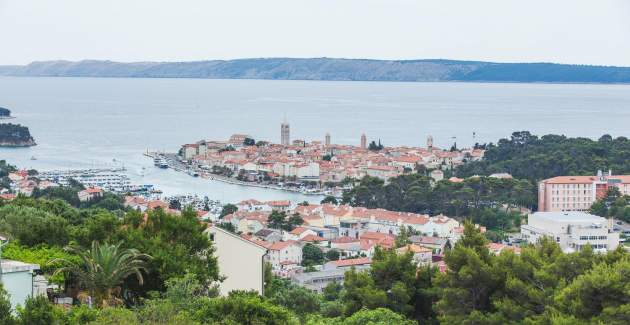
[111, 122]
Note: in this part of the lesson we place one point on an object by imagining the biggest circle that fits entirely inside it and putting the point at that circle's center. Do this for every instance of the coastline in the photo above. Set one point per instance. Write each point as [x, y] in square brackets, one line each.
[230, 180]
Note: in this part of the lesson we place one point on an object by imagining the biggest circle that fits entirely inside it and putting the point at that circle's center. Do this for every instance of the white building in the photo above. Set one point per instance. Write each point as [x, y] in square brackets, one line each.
[283, 254]
[571, 230]
[17, 280]
[241, 262]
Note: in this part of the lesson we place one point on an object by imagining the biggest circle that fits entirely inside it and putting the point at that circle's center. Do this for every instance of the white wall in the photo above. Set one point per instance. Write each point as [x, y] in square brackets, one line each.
[240, 261]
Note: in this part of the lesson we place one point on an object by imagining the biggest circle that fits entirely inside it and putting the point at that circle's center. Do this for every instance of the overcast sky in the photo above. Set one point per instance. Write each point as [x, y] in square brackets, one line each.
[564, 31]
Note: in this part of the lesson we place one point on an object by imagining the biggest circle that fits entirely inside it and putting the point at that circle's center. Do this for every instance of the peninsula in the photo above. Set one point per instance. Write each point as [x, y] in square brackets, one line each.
[329, 69]
[15, 135]
[5, 113]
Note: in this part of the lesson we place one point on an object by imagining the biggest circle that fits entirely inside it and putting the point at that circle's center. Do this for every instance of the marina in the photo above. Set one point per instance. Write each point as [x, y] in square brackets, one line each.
[110, 179]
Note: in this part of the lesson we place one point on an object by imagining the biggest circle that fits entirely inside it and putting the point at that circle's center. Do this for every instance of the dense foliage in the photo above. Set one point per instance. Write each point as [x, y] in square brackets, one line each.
[177, 244]
[486, 200]
[15, 134]
[4, 112]
[527, 156]
[613, 205]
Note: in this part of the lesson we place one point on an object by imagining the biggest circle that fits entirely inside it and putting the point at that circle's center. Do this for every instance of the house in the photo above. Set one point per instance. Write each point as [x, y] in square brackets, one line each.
[439, 245]
[90, 194]
[7, 196]
[421, 255]
[314, 239]
[383, 172]
[284, 253]
[252, 205]
[136, 202]
[240, 261]
[188, 151]
[318, 280]
[282, 205]
[348, 246]
[298, 233]
[357, 263]
[498, 248]
[17, 280]
[437, 175]
[269, 235]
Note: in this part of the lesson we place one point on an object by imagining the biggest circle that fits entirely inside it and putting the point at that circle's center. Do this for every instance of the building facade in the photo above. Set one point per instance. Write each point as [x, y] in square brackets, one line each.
[571, 230]
[578, 193]
[17, 280]
[240, 261]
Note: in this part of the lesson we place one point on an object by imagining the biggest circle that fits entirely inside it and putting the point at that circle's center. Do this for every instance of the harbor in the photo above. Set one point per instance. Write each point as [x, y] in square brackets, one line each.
[164, 160]
[110, 179]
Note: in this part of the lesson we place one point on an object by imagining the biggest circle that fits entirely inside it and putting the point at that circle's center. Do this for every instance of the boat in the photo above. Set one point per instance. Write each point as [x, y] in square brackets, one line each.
[33, 158]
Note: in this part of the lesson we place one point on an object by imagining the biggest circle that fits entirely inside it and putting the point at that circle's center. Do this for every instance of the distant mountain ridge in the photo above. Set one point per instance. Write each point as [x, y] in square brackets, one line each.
[329, 69]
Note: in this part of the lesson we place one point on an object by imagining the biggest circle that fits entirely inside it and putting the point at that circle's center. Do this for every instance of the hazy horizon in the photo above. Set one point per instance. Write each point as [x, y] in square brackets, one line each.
[582, 32]
[286, 57]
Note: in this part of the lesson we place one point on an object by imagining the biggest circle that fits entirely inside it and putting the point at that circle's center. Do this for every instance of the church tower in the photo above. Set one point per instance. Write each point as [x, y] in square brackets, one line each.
[430, 143]
[363, 141]
[327, 139]
[285, 138]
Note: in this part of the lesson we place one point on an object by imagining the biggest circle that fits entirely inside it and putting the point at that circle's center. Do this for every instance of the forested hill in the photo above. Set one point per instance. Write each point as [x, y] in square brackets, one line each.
[330, 69]
[527, 156]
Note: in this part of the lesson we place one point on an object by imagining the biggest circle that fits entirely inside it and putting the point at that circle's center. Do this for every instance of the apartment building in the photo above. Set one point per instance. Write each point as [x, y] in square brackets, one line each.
[578, 193]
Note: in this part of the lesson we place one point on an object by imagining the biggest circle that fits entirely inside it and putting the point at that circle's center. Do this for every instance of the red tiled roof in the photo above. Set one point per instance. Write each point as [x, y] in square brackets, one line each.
[352, 262]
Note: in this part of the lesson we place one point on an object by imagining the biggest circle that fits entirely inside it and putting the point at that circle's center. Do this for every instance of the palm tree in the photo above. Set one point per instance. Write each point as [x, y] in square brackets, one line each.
[103, 268]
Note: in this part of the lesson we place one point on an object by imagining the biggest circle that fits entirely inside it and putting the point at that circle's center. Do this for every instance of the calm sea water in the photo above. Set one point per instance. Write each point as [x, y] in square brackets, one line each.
[86, 122]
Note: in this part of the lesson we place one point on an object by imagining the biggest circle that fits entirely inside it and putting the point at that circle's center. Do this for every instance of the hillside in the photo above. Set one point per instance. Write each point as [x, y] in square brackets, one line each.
[330, 69]
[4, 113]
[15, 135]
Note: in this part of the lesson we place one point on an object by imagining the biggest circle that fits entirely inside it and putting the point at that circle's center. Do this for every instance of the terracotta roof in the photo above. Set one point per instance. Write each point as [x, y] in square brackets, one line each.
[281, 245]
[352, 262]
[312, 238]
[298, 230]
[344, 240]
[414, 249]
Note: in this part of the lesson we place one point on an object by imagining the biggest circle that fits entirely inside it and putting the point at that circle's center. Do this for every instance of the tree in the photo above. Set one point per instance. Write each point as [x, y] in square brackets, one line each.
[177, 245]
[295, 220]
[379, 316]
[228, 209]
[175, 204]
[6, 317]
[330, 199]
[38, 311]
[601, 293]
[332, 255]
[375, 147]
[249, 142]
[103, 268]
[471, 279]
[312, 255]
[277, 219]
[242, 308]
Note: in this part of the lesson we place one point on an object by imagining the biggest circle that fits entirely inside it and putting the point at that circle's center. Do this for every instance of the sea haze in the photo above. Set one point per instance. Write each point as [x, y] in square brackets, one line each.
[86, 122]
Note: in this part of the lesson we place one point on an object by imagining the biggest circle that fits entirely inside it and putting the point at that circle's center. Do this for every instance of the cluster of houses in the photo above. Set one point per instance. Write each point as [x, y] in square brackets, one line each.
[320, 162]
[23, 183]
[353, 232]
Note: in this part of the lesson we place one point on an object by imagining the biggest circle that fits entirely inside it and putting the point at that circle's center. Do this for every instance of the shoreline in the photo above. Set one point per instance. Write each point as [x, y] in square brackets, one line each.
[230, 180]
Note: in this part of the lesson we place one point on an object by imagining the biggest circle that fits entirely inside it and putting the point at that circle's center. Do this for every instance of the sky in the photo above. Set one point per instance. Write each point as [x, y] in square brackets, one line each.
[563, 31]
